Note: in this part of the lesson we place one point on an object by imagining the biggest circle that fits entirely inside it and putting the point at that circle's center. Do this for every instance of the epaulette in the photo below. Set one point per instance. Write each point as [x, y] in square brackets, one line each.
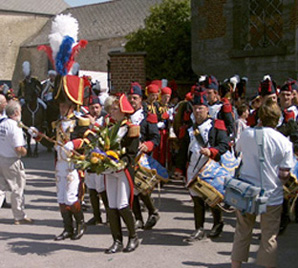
[85, 109]
[220, 124]
[152, 118]
[133, 130]
[83, 121]
[89, 132]
[227, 107]
[54, 124]
[289, 115]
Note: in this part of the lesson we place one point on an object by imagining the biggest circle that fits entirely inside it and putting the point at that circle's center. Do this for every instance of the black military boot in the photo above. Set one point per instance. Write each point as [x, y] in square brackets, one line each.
[199, 215]
[104, 198]
[136, 208]
[80, 224]
[153, 212]
[133, 241]
[115, 226]
[94, 199]
[198, 234]
[217, 223]
[199, 211]
[68, 228]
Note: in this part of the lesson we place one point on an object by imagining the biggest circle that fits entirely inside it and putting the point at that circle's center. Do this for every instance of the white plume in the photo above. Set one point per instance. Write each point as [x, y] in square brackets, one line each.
[245, 79]
[75, 68]
[267, 76]
[235, 80]
[164, 83]
[202, 78]
[62, 25]
[26, 68]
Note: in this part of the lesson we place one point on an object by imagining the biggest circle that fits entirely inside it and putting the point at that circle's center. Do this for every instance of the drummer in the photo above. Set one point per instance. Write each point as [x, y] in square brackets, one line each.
[149, 139]
[207, 138]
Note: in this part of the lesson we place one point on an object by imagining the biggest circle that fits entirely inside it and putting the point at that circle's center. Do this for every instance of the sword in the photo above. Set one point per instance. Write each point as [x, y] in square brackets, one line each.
[21, 125]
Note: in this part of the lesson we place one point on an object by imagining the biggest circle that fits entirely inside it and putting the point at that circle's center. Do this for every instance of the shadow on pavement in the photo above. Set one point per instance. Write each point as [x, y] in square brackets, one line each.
[44, 249]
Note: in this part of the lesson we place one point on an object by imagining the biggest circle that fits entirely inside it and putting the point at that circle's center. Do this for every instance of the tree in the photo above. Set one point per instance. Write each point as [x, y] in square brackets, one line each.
[166, 38]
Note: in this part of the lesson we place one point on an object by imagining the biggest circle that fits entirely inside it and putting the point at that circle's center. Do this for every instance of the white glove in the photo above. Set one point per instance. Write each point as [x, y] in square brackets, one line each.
[161, 125]
[33, 132]
[68, 146]
[66, 150]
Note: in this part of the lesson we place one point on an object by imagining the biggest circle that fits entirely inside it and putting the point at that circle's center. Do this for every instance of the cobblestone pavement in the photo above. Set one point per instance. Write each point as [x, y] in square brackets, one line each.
[33, 245]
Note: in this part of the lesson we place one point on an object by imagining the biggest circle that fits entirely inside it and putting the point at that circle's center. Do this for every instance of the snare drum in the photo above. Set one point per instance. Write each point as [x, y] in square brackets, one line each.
[148, 174]
[209, 184]
[291, 187]
[145, 180]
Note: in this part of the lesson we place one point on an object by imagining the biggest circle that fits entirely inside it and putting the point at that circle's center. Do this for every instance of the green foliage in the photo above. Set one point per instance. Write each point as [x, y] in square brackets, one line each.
[167, 40]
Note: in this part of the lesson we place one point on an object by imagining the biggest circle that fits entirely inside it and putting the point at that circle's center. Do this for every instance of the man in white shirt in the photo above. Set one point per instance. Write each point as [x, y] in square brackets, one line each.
[278, 160]
[12, 172]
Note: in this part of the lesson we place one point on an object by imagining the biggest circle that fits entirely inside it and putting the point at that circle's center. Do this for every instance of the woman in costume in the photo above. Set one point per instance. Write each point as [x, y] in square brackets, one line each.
[119, 185]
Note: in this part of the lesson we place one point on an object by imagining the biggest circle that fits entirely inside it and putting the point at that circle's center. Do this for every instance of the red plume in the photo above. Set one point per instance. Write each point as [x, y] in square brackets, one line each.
[48, 51]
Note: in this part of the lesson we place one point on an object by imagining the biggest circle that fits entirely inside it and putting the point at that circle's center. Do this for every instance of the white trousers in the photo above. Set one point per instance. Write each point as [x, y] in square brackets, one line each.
[118, 190]
[67, 183]
[95, 182]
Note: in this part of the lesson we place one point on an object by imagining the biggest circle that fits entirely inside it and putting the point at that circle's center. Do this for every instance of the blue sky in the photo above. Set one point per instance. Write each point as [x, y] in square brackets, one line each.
[75, 3]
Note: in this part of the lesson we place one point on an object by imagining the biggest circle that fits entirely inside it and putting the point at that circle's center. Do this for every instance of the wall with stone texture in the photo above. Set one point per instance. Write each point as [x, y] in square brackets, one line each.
[16, 28]
[216, 34]
[93, 58]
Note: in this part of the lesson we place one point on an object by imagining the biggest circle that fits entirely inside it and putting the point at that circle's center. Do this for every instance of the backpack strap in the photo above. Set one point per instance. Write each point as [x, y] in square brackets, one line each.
[259, 136]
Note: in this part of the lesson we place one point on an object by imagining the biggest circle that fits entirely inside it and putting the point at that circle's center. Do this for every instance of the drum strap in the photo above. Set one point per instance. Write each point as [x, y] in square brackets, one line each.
[200, 140]
[199, 137]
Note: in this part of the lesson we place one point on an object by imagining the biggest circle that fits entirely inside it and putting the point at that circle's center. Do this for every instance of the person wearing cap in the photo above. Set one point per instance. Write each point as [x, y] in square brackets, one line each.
[267, 90]
[206, 138]
[94, 182]
[150, 105]
[289, 111]
[48, 86]
[219, 108]
[288, 126]
[149, 138]
[119, 185]
[29, 85]
[161, 153]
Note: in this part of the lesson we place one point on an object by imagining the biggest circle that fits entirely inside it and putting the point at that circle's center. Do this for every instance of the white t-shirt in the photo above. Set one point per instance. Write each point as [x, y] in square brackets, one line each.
[278, 153]
[11, 136]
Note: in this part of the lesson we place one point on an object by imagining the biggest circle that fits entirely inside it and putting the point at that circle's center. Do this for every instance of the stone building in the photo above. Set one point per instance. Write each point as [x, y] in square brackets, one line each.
[103, 25]
[246, 37]
[19, 21]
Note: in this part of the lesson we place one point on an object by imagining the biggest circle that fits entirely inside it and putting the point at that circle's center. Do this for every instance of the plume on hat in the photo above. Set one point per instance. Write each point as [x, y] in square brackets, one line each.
[63, 43]
[26, 68]
[234, 80]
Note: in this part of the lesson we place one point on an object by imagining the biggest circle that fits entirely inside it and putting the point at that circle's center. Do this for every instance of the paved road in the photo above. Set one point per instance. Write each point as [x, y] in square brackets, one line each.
[33, 245]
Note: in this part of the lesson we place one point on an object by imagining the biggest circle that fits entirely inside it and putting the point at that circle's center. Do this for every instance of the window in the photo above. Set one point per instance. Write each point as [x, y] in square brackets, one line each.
[258, 24]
